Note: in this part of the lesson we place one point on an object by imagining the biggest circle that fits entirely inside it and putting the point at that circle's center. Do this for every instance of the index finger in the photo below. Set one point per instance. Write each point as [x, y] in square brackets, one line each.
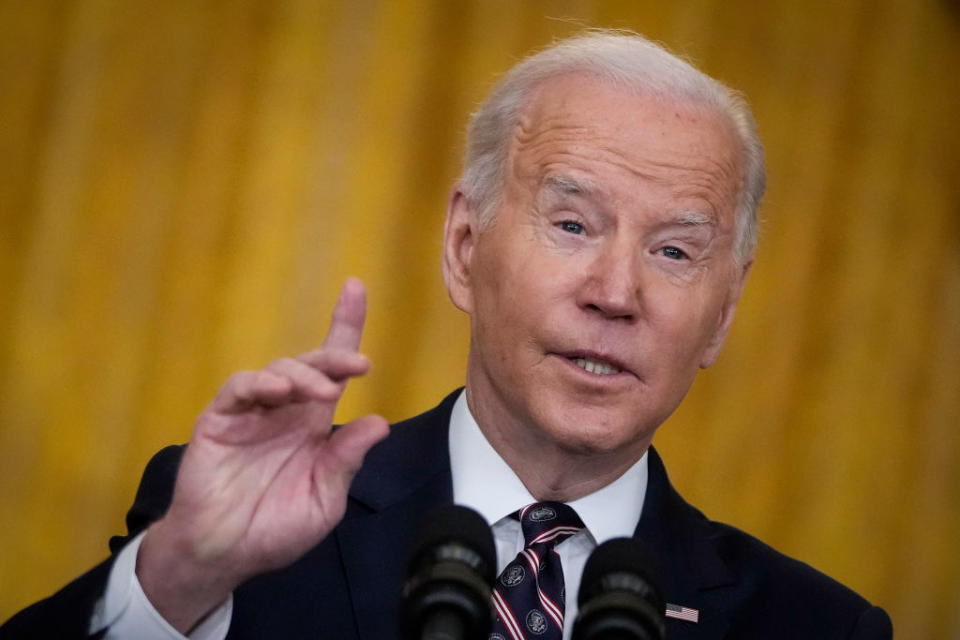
[346, 327]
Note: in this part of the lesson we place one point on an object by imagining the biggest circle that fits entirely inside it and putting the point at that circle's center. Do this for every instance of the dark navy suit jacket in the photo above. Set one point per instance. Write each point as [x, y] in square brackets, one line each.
[347, 587]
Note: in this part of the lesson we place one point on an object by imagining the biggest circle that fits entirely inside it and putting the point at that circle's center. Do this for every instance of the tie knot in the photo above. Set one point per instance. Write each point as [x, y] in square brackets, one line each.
[548, 523]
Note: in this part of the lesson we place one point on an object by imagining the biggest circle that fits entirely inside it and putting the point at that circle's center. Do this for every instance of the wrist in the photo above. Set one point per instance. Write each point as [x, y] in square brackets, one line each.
[182, 587]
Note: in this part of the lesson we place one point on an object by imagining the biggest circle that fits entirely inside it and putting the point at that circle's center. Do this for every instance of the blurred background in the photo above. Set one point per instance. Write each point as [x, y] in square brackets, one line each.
[184, 185]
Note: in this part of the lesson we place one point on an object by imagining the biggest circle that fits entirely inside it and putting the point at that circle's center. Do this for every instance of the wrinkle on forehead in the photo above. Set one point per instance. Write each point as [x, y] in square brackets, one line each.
[554, 134]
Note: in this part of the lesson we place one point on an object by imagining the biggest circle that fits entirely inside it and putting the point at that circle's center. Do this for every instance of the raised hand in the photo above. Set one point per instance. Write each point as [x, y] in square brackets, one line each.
[264, 477]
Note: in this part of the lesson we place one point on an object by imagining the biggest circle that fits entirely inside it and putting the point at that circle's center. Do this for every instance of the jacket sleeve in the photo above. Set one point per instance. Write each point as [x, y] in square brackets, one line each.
[67, 613]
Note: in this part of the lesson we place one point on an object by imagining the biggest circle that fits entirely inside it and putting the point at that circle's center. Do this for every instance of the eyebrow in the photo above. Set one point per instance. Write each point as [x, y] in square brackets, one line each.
[693, 219]
[565, 185]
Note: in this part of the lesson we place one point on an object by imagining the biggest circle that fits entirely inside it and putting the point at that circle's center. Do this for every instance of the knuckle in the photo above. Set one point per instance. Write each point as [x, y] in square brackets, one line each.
[265, 377]
[339, 353]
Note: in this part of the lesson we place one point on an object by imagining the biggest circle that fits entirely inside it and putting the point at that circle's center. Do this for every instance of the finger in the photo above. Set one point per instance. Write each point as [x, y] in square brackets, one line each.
[247, 388]
[336, 363]
[346, 327]
[307, 382]
[350, 443]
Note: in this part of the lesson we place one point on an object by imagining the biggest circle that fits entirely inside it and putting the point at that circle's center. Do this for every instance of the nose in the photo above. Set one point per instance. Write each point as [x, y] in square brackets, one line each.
[611, 285]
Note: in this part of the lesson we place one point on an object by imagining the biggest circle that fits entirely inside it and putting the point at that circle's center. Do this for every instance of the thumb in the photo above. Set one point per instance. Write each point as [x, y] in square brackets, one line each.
[350, 443]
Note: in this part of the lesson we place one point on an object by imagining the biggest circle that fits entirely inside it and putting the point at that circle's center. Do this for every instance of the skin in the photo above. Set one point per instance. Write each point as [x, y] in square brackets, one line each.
[264, 479]
[613, 240]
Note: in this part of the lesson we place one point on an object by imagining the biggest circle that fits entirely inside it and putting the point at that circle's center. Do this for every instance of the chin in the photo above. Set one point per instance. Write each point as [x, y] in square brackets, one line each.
[591, 430]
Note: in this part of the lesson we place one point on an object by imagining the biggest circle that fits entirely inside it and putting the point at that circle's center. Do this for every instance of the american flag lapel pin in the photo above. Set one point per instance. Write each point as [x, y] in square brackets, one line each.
[682, 613]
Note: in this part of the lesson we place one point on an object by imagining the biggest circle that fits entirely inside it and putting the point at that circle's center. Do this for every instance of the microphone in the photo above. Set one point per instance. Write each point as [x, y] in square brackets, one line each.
[620, 596]
[450, 578]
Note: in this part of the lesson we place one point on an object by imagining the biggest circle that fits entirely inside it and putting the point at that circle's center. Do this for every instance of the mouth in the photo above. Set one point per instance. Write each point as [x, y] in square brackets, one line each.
[596, 364]
[598, 367]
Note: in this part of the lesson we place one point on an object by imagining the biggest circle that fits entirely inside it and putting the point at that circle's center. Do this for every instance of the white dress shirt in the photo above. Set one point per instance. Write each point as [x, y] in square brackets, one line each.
[124, 607]
[481, 480]
[484, 482]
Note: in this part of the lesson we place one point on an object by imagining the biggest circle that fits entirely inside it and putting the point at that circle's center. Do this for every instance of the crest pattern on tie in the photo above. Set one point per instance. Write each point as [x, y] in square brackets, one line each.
[529, 595]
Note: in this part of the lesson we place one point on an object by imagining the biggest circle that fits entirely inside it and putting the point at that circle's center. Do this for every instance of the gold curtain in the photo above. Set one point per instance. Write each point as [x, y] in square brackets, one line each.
[185, 184]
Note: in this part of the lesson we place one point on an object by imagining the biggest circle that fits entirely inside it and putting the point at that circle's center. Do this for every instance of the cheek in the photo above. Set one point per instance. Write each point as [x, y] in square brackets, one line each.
[682, 322]
[517, 276]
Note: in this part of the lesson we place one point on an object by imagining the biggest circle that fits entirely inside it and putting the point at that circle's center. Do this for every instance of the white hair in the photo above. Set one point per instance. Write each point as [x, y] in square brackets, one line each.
[627, 60]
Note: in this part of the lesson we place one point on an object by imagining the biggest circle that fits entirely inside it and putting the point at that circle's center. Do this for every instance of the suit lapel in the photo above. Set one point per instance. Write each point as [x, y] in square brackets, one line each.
[402, 477]
[695, 574]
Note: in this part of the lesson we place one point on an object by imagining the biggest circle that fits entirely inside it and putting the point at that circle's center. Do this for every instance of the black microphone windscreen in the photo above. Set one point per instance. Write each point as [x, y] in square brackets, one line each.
[456, 524]
[447, 592]
[619, 556]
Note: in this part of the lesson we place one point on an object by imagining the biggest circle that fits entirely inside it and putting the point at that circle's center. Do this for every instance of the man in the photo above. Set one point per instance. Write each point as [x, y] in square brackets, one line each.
[599, 240]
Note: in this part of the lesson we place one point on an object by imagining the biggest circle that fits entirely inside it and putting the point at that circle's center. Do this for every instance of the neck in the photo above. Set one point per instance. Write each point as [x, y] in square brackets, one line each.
[557, 472]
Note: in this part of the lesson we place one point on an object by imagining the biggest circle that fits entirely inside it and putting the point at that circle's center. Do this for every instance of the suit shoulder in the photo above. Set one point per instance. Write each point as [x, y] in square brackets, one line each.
[749, 555]
[154, 493]
[803, 598]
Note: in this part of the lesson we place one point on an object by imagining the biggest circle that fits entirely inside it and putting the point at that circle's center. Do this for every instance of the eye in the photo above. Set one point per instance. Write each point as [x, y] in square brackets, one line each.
[571, 226]
[673, 253]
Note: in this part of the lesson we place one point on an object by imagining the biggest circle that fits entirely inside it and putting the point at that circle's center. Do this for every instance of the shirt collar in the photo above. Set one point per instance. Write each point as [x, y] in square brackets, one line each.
[483, 481]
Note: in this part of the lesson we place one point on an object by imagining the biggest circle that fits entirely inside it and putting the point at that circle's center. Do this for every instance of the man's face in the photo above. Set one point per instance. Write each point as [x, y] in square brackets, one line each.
[607, 278]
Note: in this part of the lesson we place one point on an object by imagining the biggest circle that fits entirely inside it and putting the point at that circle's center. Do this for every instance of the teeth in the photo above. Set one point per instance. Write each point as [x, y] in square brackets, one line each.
[596, 366]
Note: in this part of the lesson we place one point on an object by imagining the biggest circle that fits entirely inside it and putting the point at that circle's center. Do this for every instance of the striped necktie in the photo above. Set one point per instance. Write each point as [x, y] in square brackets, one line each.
[529, 595]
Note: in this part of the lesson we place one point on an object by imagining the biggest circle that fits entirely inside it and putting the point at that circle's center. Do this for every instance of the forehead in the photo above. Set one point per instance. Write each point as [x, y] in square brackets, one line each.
[617, 142]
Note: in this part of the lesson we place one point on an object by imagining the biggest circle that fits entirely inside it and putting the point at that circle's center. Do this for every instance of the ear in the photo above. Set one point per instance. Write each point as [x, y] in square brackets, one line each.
[458, 241]
[725, 320]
